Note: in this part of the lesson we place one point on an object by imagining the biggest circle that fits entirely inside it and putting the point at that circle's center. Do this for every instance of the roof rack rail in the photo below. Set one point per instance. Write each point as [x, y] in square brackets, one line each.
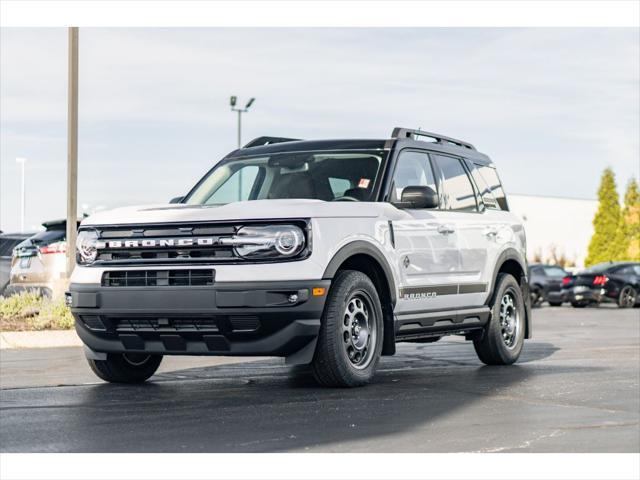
[257, 142]
[399, 132]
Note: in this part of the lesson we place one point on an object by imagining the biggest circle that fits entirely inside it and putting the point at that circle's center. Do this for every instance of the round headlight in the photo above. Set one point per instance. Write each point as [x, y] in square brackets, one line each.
[86, 246]
[289, 241]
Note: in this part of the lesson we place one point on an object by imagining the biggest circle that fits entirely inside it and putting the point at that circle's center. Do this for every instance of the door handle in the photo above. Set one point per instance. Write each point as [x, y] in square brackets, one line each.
[491, 232]
[446, 229]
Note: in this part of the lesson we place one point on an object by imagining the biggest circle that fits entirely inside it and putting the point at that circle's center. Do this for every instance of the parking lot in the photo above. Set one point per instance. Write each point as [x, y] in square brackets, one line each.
[575, 389]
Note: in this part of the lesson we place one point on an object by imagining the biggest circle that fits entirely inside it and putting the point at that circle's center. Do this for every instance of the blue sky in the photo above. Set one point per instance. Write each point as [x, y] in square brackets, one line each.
[552, 107]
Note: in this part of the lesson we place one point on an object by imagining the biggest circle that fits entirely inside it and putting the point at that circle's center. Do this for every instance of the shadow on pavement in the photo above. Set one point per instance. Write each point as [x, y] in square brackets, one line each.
[262, 406]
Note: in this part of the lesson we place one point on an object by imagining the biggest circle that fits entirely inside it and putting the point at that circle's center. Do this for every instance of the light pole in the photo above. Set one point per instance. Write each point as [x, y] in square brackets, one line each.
[72, 150]
[23, 197]
[240, 112]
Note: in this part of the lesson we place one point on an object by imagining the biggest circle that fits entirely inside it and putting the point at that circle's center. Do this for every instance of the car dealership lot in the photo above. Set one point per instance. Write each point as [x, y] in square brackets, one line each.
[575, 389]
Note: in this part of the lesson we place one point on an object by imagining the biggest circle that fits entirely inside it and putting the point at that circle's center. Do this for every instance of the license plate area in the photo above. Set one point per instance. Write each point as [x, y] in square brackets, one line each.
[25, 262]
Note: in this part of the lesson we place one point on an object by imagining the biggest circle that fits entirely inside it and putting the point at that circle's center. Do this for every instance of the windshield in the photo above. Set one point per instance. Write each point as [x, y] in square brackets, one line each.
[322, 175]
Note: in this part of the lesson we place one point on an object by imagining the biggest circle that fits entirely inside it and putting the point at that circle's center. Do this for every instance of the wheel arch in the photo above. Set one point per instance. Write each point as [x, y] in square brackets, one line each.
[511, 262]
[364, 257]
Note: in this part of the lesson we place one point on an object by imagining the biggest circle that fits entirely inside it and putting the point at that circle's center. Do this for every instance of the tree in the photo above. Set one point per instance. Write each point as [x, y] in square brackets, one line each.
[607, 241]
[630, 223]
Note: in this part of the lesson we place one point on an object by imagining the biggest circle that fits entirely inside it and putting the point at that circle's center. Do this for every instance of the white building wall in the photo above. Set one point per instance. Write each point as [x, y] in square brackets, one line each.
[565, 223]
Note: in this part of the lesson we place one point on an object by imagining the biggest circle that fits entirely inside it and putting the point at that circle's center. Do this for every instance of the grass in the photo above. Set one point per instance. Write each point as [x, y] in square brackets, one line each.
[31, 311]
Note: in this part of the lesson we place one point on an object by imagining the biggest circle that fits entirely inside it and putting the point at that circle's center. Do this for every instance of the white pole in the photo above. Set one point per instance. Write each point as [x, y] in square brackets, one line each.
[72, 151]
[23, 195]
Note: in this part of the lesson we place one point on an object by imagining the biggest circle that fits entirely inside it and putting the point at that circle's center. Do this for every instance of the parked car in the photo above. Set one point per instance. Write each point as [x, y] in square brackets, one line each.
[617, 282]
[545, 284]
[39, 262]
[324, 252]
[7, 242]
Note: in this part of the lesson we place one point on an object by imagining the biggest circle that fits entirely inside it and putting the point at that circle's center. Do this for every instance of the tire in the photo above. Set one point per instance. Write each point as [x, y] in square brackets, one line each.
[501, 343]
[555, 304]
[351, 334]
[578, 304]
[125, 368]
[628, 297]
[537, 297]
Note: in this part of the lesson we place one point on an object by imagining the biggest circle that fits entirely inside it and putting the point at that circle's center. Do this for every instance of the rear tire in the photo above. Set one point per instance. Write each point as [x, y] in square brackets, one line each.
[578, 304]
[503, 338]
[125, 368]
[555, 304]
[628, 297]
[351, 334]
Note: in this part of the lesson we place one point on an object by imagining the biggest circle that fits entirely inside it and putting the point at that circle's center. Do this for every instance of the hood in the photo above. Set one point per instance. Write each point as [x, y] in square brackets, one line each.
[248, 210]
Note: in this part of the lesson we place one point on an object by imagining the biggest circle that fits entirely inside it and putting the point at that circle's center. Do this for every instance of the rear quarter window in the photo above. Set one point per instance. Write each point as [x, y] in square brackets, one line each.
[491, 190]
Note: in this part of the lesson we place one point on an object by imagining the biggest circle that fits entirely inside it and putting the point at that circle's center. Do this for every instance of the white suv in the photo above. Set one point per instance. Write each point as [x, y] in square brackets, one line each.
[324, 252]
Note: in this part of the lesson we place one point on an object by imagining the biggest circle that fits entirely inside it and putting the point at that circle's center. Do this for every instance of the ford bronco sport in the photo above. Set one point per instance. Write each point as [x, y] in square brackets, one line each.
[325, 252]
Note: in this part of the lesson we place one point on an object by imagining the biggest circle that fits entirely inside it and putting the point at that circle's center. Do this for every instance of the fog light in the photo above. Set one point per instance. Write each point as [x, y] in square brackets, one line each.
[293, 298]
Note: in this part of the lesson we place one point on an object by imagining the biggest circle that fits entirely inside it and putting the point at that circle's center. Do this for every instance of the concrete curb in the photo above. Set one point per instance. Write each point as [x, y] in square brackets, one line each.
[40, 339]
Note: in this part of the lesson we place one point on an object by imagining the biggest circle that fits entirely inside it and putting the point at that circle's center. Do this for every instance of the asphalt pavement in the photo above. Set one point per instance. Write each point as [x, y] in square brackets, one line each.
[575, 389]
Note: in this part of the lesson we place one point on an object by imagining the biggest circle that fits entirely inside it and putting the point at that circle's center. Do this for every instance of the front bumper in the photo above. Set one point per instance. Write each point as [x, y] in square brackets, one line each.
[230, 318]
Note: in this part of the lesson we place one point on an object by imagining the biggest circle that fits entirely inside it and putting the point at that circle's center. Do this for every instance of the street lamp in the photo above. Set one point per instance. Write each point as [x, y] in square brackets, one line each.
[22, 161]
[240, 111]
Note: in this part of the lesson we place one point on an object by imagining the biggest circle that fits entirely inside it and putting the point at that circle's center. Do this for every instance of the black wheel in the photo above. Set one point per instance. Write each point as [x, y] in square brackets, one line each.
[126, 367]
[351, 334]
[503, 338]
[578, 304]
[628, 297]
[555, 304]
[537, 296]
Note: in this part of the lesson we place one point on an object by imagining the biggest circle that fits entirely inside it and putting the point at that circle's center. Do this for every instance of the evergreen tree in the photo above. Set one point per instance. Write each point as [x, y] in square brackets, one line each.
[630, 223]
[606, 242]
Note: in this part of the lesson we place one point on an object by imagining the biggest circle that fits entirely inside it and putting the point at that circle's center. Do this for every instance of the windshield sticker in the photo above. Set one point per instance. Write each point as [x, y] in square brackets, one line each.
[364, 183]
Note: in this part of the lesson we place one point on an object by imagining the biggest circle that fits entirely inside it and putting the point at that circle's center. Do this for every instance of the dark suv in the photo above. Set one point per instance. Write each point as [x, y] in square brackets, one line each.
[545, 283]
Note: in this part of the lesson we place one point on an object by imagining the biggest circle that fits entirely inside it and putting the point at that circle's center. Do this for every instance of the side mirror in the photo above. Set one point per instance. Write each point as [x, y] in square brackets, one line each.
[176, 200]
[418, 197]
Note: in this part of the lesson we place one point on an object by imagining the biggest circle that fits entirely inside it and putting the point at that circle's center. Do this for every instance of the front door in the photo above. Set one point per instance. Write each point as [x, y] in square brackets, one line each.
[427, 243]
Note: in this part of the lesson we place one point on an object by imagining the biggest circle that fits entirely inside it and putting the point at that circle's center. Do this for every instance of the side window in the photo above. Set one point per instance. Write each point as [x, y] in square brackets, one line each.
[413, 169]
[458, 192]
[237, 187]
[485, 193]
[490, 179]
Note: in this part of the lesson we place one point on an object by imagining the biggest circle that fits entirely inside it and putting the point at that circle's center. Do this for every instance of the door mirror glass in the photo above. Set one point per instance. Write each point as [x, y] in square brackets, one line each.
[418, 196]
[176, 200]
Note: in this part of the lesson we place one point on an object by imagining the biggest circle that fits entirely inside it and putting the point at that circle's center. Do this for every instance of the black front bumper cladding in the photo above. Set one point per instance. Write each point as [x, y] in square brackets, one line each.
[226, 318]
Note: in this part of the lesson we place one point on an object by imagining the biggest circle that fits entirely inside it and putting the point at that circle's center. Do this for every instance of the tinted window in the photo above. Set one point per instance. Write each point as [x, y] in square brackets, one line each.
[413, 170]
[488, 181]
[554, 272]
[458, 193]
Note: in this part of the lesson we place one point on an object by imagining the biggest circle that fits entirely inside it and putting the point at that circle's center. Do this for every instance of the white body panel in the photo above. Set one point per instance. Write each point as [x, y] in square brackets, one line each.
[443, 247]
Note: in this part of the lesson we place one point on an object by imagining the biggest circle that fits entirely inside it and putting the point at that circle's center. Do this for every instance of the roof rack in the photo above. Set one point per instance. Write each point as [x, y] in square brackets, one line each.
[399, 132]
[257, 142]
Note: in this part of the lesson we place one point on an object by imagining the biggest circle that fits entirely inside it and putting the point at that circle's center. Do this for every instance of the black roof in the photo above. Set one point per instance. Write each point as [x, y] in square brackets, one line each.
[401, 138]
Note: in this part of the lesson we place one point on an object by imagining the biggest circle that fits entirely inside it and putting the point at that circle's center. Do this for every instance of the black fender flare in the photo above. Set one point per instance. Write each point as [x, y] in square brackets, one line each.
[360, 247]
[513, 254]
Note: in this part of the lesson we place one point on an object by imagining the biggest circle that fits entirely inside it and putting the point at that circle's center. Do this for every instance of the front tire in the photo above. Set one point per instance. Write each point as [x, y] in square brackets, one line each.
[125, 368]
[351, 333]
[555, 304]
[628, 297]
[503, 338]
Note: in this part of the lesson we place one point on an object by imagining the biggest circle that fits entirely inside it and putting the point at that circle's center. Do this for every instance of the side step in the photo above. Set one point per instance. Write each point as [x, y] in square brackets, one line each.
[422, 325]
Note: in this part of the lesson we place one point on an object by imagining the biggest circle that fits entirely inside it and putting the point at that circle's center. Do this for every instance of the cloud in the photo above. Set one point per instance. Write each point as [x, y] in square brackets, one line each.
[551, 106]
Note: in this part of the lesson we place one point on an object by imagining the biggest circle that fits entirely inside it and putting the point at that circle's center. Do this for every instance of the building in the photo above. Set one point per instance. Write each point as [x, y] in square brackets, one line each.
[555, 223]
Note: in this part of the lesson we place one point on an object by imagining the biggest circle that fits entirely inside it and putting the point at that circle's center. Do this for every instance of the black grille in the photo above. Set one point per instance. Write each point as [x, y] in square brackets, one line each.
[166, 324]
[158, 278]
[137, 236]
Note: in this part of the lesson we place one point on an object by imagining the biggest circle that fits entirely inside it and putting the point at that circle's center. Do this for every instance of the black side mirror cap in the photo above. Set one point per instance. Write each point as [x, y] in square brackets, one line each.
[418, 196]
[176, 200]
